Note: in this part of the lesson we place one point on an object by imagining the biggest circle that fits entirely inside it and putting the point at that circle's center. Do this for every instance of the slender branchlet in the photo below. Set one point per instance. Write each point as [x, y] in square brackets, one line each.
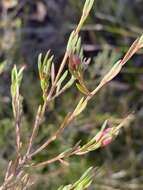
[52, 86]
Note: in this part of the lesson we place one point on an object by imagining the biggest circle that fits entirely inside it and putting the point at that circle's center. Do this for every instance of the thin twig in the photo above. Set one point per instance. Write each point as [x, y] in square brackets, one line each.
[8, 171]
[35, 129]
[58, 158]
[66, 121]
[17, 124]
[42, 147]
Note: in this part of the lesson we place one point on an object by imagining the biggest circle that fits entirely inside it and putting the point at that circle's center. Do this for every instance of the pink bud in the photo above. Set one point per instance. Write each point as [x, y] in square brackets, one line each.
[106, 140]
[106, 131]
[103, 133]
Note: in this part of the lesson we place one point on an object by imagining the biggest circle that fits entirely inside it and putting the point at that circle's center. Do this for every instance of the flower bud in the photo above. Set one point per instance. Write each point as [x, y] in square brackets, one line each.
[106, 141]
[105, 136]
[74, 62]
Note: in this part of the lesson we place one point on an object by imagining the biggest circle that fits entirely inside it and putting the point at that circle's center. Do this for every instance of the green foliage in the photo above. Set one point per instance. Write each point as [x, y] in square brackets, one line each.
[80, 107]
[16, 79]
[83, 183]
[71, 45]
[87, 7]
[44, 67]
[60, 81]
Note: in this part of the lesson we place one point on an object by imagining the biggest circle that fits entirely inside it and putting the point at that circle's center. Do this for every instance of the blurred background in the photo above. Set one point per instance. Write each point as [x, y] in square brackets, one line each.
[29, 27]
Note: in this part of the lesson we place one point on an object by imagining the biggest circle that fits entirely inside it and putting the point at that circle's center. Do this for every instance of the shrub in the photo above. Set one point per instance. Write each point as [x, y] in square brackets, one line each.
[53, 85]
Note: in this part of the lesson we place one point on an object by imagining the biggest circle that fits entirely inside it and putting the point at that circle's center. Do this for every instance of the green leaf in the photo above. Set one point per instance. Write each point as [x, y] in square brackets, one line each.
[83, 183]
[112, 73]
[44, 68]
[87, 7]
[63, 77]
[141, 41]
[48, 66]
[82, 89]
[16, 78]
[79, 49]
[66, 151]
[72, 42]
[69, 45]
[69, 83]
[59, 83]
[40, 63]
[20, 75]
[80, 107]
[104, 125]
[46, 59]
[137, 44]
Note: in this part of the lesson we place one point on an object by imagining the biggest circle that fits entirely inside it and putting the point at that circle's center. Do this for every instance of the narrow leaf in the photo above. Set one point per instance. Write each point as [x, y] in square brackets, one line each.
[112, 73]
[81, 106]
[82, 89]
[63, 77]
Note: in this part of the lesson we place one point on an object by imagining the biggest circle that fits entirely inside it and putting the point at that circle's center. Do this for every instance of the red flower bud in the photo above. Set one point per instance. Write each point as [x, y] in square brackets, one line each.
[74, 61]
[104, 135]
[106, 141]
